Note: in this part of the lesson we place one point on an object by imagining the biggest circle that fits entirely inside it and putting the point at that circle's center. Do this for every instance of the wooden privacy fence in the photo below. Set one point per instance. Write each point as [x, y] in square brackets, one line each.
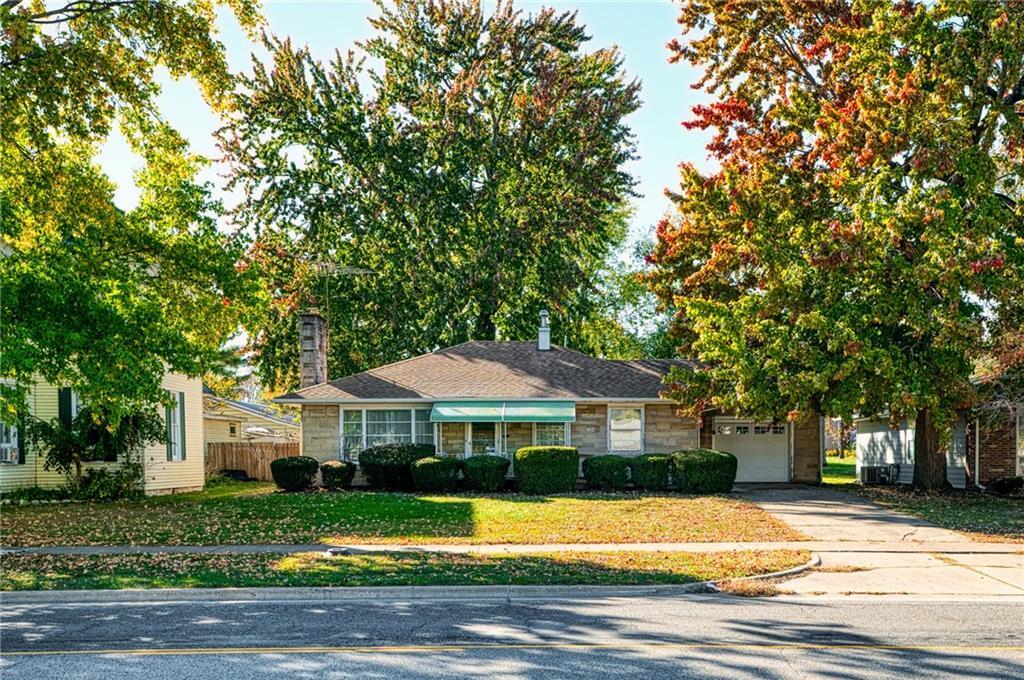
[253, 457]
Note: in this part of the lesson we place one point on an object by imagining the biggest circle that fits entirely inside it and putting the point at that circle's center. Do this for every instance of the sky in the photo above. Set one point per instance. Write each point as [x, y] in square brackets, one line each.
[640, 28]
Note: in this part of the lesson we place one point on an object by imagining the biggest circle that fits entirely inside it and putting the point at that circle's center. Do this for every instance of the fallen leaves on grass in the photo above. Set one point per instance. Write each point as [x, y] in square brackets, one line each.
[981, 516]
[254, 513]
[165, 570]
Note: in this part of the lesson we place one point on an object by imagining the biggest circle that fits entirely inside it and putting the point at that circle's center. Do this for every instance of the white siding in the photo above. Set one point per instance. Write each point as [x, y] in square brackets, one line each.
[879, 444]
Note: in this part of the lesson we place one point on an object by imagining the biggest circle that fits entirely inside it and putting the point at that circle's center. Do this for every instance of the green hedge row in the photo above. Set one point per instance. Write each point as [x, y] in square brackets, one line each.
[538, 470]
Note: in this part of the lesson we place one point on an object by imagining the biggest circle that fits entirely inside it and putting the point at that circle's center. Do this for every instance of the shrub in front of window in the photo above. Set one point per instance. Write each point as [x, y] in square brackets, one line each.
[485, 473]
[703, 471]
[606, 473]
[435, 473]
[337, 474]
[650, 471]
[294, 473]
[547, 469]
[388, 466]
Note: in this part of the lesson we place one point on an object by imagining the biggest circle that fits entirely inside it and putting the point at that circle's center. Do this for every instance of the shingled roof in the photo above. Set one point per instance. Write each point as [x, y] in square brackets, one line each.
[497, 370]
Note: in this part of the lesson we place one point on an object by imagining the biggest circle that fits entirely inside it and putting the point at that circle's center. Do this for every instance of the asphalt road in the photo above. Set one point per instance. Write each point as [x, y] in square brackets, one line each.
[658, 637]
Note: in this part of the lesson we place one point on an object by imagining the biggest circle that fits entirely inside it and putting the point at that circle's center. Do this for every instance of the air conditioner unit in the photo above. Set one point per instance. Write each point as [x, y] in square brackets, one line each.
[879, 474]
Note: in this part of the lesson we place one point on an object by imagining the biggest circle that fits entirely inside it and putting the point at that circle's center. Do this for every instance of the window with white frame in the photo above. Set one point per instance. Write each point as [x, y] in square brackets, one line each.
[362, 428]
[549, 434]
[626, 429]
[8, 443]
[175, 428]
[76, 404]
[1020, 444]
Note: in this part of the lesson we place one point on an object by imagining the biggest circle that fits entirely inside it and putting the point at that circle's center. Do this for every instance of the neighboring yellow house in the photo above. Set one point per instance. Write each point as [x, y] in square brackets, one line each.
[168, 467]
[229, 420]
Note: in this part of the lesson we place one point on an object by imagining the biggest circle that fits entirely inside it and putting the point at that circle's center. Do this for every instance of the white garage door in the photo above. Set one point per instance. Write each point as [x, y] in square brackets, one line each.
[761, 449]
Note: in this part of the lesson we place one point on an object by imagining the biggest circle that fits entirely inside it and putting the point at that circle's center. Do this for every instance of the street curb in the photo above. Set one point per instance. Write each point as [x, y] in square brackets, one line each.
[367, 593]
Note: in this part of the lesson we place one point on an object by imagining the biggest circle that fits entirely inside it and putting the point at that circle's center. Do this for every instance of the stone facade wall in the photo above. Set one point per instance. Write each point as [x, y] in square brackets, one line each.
[518, 435]
[807, 443]
[997, 454]
[321, 435]
[589, 434]
[665, 432]
[453, 438]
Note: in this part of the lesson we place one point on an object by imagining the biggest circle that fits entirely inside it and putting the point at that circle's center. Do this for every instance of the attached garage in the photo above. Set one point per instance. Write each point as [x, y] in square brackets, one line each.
[762, 450]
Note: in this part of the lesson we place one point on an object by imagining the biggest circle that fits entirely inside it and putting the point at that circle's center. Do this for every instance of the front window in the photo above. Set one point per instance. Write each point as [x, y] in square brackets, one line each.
[388, 427]
[362, 428]
[549, 434]
[625, 429]
[8, 443]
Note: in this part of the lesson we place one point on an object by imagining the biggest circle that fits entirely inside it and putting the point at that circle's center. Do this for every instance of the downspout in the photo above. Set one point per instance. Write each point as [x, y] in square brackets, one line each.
[977, 456]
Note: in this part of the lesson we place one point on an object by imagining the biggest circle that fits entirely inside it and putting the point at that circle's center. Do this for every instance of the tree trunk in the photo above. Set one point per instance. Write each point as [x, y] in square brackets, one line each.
[929, 460]
[78, 472]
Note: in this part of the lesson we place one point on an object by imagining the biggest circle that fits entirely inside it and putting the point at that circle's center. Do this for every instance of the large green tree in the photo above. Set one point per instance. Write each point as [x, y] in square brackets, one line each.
[862, 234]
[93, 296]
[475, 164]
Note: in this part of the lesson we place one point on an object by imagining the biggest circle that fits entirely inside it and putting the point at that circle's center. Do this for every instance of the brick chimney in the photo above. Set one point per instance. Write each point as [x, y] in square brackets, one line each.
[312, 348]
[544, 333]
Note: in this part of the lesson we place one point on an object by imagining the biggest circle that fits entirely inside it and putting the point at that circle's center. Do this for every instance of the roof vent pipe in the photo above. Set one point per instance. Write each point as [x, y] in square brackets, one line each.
[544, 333]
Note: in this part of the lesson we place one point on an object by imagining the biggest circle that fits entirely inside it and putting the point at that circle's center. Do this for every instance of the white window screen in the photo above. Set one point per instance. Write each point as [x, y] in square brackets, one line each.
[625, 429]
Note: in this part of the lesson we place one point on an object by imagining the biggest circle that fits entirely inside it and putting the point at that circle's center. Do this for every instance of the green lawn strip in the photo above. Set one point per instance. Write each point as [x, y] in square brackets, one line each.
[839, 470]
[256, 513]
[75, 572]
[983, 517]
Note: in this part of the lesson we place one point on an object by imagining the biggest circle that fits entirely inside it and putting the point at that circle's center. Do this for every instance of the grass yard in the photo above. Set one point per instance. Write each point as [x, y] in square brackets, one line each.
[72, 572]
[235, 512]
[839, 470]
[982, 517]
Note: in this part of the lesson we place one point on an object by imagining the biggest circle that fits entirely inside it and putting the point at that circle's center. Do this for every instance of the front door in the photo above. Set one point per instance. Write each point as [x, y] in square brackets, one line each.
[483, 439]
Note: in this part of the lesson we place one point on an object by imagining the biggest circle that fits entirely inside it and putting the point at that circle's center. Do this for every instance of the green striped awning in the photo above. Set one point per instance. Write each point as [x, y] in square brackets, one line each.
[503, 412]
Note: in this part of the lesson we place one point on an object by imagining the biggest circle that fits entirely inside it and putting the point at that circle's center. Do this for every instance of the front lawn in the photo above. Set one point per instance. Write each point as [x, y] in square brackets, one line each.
[256, 513]
[983, 517]
[73, 572]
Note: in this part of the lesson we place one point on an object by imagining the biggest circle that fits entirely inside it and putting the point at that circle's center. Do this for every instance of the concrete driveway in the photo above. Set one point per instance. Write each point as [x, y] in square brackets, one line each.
[874, 550]
[827, 515]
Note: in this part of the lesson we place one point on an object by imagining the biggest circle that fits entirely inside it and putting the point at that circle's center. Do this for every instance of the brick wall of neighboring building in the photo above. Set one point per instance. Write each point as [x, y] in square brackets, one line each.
[590, 431]
[320, 434]
[453, 438]
[996, 451]
[807, 443]
[665, 432]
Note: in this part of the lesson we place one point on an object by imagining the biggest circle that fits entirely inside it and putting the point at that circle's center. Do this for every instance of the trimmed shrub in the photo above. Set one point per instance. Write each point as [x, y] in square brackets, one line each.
[607, 473]
[1007, 486]
[650, 471]
[337, 474]
[435, 473]
[703, 471]
[388, 466]
[485, 473]
[547, 469]
[294, 473]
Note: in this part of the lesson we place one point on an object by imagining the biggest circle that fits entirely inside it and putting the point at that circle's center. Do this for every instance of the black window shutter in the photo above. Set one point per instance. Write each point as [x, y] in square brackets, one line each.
[64, 406]
[22, 440]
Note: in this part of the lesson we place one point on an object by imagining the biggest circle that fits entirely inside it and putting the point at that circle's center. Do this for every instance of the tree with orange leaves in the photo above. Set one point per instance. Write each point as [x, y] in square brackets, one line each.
[864, 232]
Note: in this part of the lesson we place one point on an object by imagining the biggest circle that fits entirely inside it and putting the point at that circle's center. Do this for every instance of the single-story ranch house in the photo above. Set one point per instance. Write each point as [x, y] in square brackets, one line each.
[168, 467]
[495, 397]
